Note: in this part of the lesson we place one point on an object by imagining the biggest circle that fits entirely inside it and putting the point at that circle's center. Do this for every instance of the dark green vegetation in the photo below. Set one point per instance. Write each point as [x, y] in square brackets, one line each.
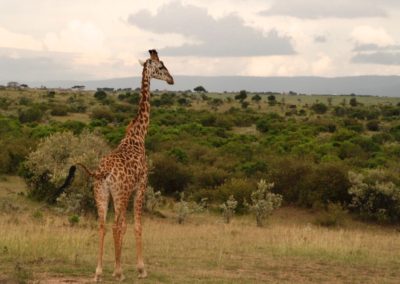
[217, 145]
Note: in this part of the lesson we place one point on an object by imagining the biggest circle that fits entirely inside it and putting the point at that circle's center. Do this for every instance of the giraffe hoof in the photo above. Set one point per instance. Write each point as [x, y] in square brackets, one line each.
[119, 276]
[97, 278]
[142, 273]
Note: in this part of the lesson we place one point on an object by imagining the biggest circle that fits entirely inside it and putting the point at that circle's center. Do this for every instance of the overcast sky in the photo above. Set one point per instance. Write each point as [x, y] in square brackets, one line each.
[98, 39]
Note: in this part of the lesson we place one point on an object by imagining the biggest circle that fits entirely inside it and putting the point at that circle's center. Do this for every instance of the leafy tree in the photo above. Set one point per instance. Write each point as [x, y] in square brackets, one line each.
[241, 96]
[353, 102]
[271, 100]
[256, 98]
[244, 105]
[100, 95]
[200, 89]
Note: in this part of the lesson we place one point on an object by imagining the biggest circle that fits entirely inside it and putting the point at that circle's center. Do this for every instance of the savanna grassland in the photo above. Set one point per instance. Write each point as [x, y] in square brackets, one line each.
[333, 159]
[40, 244]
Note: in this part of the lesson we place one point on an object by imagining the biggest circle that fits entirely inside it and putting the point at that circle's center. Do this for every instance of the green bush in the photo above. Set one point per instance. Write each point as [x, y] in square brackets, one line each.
[168, 175]
[238, 187]
[319, 108]
[13, 152]
[382, 138]
[263, 125]
[77, 107]
[375, 197]
[395, 132]
[102, 113]
[349, 150]
[59, 110]
[32, 114]
[333, 216]
[46, 168]
[373, 125]
[303, 182]
[75, 126]
[100, 95]
[210, 176]
[24, 101]
[4, 103]
[73, 220]
[353, 124]
[263, 202]
[228, 209]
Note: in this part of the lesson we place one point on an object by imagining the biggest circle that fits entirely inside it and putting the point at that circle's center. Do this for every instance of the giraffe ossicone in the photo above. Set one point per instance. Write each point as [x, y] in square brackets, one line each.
[123, 172]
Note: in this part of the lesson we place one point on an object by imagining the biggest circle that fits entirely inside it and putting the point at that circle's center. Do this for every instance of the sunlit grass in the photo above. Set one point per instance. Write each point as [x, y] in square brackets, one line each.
[204, 249]
[289, 249]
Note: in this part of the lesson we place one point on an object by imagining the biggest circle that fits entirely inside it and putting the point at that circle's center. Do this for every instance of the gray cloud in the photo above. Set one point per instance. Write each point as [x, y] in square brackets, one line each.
[320, 39]
[382, 58]
[316, 9]
[25, 65]
[374, 47]
[227, 36]
[374, 54]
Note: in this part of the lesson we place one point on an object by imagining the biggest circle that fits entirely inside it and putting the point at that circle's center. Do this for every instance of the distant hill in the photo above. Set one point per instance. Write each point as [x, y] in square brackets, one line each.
[360, 85]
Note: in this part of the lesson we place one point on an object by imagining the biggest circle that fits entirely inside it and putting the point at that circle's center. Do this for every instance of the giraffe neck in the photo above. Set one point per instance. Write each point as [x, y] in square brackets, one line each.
[139, 125]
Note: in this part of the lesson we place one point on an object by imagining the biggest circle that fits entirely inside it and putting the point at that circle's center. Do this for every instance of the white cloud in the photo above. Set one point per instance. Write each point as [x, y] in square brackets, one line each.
[322, 65]
[315, 9]
[16, 40]
[371, 35]
[223, 37]
[82, 38]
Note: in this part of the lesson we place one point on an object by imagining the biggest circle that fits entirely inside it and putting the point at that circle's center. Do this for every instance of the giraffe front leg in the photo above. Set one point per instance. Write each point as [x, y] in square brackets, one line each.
[138, 231]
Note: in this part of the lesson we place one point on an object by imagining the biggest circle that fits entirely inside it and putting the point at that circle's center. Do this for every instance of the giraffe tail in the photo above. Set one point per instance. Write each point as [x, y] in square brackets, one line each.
[66, 184]
[86, 169]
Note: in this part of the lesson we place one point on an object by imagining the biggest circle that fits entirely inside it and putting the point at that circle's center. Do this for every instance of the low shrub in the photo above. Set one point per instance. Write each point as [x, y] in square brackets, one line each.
[263, 202]
[102, 113]
[46, 168]
[32, 114]
[333, 216]
[59, 110]
[375, 196]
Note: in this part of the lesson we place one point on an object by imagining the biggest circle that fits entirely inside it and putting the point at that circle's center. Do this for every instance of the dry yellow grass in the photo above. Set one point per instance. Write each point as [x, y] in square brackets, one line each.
[204, 250]
[46, 247]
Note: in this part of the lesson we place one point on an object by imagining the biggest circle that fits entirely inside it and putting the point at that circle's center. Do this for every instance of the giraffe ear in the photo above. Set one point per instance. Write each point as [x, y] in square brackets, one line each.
[153, 54]
[141, 62]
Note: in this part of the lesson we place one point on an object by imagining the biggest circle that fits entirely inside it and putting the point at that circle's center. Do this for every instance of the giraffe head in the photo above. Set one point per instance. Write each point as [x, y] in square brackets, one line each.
[156, 68]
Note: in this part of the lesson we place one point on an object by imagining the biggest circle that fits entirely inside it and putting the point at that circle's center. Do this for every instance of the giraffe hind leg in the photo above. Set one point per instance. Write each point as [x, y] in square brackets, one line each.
[102, 199]
[119, 229]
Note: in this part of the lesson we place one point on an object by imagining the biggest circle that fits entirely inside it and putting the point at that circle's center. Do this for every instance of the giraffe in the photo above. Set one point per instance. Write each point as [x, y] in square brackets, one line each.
[123, 172]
